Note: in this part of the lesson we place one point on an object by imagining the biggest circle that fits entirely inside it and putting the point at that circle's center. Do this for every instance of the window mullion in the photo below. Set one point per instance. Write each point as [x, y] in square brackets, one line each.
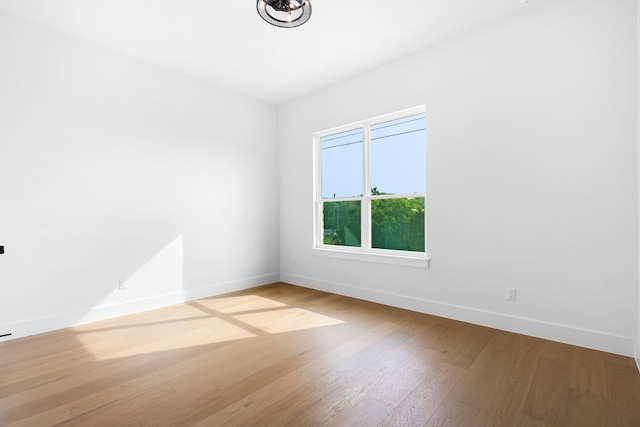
[365, 219]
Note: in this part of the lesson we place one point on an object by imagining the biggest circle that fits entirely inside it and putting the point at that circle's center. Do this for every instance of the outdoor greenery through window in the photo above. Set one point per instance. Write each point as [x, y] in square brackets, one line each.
[371, 185]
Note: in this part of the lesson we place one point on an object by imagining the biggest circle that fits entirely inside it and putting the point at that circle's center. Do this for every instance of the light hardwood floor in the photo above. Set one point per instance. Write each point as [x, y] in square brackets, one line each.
[284, 355]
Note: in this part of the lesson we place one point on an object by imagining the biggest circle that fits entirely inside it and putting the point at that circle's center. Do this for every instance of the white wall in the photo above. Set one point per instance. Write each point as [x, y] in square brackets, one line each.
[532, 177]
[638, 136]
[111, 168]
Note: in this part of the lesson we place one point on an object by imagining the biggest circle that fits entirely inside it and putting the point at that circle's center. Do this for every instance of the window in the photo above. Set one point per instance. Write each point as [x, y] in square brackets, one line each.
[371, 187]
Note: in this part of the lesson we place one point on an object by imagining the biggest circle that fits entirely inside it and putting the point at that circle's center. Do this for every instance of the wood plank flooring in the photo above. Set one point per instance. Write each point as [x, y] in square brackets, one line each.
[282, 355]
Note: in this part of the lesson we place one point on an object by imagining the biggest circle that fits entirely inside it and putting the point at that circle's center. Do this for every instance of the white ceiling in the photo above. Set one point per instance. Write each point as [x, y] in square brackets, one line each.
[227, 44]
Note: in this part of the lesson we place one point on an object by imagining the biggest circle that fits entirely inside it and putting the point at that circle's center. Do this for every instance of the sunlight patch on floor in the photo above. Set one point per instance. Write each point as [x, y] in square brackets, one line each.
[197, 323]
[286, 320]
[240, 303]
[216, 331]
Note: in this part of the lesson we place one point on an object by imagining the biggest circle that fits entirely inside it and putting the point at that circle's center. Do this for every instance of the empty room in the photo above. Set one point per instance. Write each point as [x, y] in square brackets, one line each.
[319, 213]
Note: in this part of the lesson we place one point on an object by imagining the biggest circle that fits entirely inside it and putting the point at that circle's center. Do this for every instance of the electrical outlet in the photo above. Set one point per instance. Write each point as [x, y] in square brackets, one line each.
[122, 284]
[511, 294]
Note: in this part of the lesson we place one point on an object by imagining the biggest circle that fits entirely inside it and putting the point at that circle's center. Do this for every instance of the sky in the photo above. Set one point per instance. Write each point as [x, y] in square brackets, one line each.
[397, 159]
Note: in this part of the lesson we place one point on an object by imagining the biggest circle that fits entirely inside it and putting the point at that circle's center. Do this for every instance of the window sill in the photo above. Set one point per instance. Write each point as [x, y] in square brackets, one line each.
[381, 258]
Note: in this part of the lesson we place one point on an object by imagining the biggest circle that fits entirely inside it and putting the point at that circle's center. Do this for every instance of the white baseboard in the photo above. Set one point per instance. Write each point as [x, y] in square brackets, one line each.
[65, 320]
[552, 331]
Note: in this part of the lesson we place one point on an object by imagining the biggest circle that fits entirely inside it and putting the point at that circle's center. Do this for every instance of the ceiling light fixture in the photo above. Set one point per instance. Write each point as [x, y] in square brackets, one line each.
[284, 13]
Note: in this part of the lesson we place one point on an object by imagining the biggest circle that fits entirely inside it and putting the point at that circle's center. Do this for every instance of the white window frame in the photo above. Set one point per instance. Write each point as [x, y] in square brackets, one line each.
[365, 252]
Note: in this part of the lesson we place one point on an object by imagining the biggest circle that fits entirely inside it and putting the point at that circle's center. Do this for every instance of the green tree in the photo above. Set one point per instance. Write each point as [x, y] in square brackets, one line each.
[342, 223]
[395, 223]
